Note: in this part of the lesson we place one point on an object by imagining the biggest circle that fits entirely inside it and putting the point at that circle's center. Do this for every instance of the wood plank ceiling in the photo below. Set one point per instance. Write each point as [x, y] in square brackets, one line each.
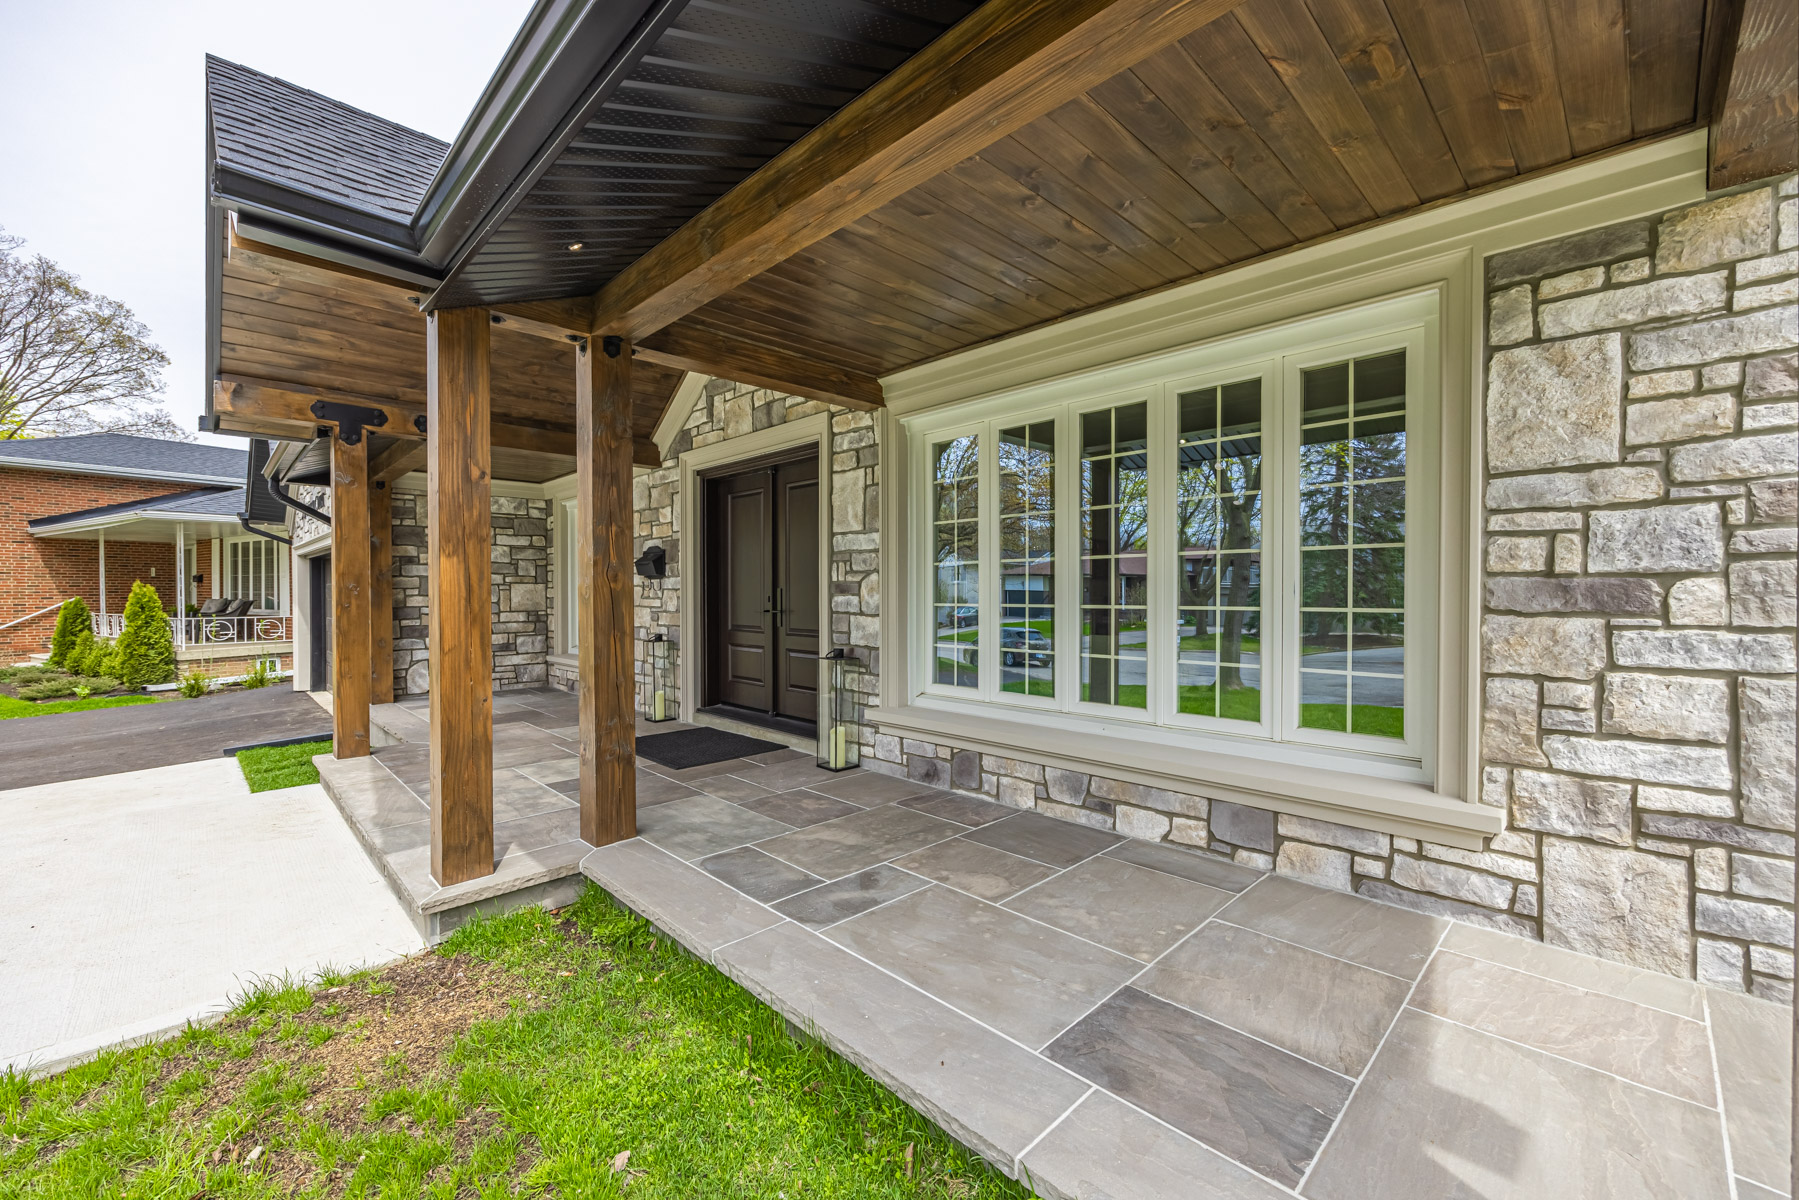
[1282, 123]
[287, 322]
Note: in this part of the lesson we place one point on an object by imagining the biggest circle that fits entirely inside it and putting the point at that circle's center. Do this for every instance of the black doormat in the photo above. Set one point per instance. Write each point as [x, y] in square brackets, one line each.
[697, 747]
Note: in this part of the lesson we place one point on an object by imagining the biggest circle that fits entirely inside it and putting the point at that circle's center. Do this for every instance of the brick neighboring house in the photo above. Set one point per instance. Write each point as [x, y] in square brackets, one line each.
[78, 514]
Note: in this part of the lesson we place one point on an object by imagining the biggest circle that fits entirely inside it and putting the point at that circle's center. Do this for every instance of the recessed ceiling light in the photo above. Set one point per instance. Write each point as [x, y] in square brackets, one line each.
[574, 245]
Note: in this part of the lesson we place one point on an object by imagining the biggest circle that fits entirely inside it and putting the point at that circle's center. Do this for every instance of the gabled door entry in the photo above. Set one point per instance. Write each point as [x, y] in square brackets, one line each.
[761, 589]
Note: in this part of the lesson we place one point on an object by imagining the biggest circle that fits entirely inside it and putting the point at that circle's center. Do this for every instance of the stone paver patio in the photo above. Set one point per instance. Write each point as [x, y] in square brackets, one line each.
[1115, 1018]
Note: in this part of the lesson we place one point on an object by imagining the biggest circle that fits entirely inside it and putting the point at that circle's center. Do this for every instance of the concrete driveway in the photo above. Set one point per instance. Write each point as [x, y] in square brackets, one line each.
[132, 903]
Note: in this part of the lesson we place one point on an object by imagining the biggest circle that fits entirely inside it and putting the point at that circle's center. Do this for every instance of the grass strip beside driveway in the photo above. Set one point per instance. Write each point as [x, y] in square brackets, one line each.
[535, 1054]
[12, 706]
[267, 768]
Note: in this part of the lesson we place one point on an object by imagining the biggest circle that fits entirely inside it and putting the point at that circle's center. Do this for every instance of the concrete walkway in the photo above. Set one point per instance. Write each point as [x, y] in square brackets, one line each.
[132, 903]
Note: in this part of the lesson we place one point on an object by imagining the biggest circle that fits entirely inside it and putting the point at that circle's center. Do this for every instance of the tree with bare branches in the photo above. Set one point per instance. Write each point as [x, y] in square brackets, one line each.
[72, 361]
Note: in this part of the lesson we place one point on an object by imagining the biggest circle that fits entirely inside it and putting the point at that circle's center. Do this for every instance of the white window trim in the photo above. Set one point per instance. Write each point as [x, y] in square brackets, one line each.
[222, 573]
[1407, 322]
[1441, 249]
[560, 495]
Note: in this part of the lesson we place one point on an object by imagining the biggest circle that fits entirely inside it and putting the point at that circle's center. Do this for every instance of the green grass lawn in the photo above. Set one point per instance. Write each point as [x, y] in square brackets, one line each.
[12, 706]
[530, 1055]
[269, 767]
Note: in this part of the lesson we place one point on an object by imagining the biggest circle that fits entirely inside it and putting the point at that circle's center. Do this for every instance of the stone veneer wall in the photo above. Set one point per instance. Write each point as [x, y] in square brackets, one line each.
[1638, 647]
[521, 585]
[727, 410]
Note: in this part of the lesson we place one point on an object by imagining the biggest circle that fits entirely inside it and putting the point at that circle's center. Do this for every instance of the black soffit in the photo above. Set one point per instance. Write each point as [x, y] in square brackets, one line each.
[607, 126]
[724, 87]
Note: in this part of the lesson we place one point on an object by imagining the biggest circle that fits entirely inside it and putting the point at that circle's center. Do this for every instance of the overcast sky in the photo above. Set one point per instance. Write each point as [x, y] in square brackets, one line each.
[103, 129]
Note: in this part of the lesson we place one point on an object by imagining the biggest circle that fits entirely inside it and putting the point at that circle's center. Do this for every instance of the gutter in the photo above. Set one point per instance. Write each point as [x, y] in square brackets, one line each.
[584, 49]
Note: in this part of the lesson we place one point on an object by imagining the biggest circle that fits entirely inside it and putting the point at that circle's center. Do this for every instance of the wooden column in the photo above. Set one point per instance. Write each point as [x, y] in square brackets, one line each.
[603, 573]
[381, 594]
[350, 597]
[458, 457]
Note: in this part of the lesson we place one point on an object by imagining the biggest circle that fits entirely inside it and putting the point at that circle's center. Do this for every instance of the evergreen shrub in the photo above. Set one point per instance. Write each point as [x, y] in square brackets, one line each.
[146, 650]
[72, 620]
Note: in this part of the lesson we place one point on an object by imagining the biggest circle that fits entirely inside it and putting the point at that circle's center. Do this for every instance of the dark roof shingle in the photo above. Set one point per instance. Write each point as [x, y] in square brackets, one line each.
[211, 503]
[127, 453]
[271, 128]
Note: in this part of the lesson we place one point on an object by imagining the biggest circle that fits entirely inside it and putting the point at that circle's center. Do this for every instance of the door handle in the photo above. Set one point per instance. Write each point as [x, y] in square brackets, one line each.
[777, 607]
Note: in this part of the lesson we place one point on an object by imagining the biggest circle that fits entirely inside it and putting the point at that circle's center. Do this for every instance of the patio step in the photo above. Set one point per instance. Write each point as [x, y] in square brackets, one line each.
[392, 825]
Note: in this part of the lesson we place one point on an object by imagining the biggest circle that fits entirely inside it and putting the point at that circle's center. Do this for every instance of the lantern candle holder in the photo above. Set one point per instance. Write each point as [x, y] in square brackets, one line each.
[658, 701]
[840, 712]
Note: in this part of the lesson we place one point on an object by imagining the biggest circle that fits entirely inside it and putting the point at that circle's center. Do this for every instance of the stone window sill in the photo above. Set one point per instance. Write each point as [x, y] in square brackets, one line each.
[1389, 806]
[563, 660]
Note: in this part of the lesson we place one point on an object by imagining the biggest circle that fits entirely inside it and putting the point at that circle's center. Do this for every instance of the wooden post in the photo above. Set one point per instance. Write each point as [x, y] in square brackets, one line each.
[459, 458]
[381, 594]
[603, 573]
[350, 597]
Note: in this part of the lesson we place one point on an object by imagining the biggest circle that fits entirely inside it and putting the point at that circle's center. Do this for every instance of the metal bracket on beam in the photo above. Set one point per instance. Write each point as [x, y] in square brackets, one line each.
[612, 345]
[418, 423]
[350, 419]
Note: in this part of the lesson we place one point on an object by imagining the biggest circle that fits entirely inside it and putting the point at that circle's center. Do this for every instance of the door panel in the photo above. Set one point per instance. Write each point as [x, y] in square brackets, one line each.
[762, 589]
[796, 573]
[742, 590]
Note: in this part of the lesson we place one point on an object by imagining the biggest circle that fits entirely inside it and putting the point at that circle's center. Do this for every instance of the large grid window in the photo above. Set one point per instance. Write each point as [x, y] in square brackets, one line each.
[1226, 545]
[1218, 526]
[252, 571]
[1352, 530]
[1115, 556]
[956, 560]
[1027, 559]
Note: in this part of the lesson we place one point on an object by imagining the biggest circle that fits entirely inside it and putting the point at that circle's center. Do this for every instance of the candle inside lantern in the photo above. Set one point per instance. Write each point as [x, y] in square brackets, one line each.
[839, 752]
[660, 699]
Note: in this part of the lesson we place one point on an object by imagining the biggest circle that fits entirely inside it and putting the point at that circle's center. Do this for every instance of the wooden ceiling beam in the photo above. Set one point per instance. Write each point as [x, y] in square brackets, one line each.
[559, 320]
[689, 349]
[274, 409]
[1004, 65]
[401, 458]
[1755, 113]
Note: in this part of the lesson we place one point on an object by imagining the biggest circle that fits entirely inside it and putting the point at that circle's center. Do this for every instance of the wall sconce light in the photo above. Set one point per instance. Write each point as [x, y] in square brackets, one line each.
[653, 563]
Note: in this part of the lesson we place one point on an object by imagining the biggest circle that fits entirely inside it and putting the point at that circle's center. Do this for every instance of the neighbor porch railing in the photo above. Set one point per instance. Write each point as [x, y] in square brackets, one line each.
[208, 631]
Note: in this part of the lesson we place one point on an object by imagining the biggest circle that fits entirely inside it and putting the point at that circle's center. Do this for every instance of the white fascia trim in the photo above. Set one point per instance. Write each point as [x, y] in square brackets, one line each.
[1142, 757]
[145, 516]
[1646, 179]
[680, 407]
[38, 464]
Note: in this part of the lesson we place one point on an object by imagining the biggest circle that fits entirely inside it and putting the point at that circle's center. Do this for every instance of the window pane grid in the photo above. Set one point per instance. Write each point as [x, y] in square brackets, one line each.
[1352, 537]
[1027, 558]
[1115, 556]
[1218, 498]
[955, 541]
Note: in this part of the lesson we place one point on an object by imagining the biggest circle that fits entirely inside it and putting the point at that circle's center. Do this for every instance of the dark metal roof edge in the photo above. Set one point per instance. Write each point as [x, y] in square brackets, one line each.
[290, 202]
[568, 57]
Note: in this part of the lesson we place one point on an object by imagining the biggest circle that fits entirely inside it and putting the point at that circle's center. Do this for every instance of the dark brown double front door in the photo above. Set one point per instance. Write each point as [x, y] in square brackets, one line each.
[762, 587]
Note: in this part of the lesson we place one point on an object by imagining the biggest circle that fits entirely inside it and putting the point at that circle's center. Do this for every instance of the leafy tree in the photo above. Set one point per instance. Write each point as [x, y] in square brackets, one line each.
[72, 361]
[146, 649]
[72, 619]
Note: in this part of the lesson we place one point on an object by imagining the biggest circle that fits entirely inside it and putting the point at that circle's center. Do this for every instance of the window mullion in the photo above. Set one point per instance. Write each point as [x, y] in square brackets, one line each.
[1160, 672]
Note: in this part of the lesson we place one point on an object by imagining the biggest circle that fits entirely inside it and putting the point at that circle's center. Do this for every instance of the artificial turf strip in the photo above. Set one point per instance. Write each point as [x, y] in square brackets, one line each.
[12, 706]
[267, 768]
[607, 1063]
